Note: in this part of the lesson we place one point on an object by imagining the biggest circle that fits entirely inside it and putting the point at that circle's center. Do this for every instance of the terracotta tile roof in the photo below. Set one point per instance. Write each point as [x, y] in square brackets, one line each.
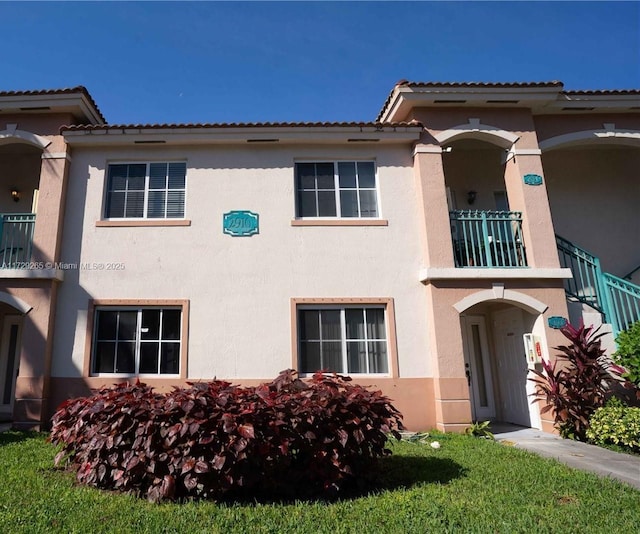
[497, 85]
[469, 85]
[221, 125]
[604, 92]
[65, 91]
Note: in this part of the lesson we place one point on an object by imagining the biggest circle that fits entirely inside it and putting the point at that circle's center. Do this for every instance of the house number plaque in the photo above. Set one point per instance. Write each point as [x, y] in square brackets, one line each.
[240, 223]
[533, 179]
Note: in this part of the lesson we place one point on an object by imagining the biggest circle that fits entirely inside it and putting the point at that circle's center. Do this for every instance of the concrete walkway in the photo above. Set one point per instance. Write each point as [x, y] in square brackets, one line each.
[603, 462]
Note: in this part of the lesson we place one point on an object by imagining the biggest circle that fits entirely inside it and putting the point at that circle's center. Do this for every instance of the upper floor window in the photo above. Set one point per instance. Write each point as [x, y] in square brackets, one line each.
[146, 190]
[337, 189]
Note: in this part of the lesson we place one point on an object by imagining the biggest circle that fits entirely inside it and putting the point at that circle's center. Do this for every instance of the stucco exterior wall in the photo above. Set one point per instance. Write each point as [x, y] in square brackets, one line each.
[20, 169]
[548, 126]
[594, 195]
[475, 169]
[516, 121]
[240, 288]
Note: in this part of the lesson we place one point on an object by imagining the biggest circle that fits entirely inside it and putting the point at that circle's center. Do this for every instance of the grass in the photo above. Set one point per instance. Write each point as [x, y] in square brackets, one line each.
[468, 485]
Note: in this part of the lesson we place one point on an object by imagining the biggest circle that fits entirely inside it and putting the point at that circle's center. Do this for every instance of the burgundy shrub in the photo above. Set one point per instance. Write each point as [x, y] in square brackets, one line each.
[213, 439]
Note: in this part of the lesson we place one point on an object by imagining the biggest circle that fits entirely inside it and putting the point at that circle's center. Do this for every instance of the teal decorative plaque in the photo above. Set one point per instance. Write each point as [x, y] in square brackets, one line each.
[240, 223]
[533, 179]
[557, 322]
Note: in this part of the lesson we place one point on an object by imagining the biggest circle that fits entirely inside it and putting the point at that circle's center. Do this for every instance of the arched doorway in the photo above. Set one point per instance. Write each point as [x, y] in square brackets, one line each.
[495, 359]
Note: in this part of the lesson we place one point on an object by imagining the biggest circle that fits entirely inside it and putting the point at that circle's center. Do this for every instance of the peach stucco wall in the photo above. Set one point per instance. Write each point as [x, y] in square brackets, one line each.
[549, 126]
[453, 407]
[47, 125]
[46, 169]
[31, 390]
[531, 201]
[515, 120]
[413, 397]
[478, 168]
[595, 196]
[435, 233]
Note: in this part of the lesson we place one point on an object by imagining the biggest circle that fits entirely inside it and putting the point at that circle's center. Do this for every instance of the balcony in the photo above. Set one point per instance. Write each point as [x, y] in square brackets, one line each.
[491, 239]
[16, 239]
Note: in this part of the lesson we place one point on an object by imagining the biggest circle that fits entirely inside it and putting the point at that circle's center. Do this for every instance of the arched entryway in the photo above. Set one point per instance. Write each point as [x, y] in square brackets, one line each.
[496, 366]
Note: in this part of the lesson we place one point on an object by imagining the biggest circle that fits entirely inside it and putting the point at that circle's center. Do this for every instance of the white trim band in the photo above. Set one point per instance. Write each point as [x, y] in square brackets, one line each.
[431, 149]
[466, 273]
[56, 155]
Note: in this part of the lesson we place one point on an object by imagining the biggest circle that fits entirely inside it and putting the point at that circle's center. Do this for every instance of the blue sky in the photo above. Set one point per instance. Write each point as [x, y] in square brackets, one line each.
[305, 61]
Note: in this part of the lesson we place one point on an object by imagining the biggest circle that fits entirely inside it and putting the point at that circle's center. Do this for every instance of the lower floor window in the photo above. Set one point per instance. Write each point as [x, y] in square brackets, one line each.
[343, 340]
[137, 341]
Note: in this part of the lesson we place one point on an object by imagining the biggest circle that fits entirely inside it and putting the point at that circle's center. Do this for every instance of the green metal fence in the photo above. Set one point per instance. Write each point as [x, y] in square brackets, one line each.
[16, 239]
[617, 299]
[487, 238]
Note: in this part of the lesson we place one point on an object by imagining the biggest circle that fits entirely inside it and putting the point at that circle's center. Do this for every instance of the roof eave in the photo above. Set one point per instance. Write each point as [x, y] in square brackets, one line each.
[126, 135]
[78, 104]
[599, 101]
[405, 97]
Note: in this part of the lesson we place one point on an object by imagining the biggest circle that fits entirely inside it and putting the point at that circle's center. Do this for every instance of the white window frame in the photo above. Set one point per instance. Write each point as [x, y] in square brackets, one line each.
[343, 334]
[144, 217]
[138, 340]
[337, 190]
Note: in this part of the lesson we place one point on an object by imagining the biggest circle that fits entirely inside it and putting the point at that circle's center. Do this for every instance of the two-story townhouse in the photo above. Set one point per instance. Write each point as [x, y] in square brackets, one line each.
[34, 164]
[432, 253]
[326, 279]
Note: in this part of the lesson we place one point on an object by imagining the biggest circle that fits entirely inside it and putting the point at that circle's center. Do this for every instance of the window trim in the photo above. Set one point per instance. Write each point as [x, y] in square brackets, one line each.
[95, 304]
[141, 221]
[337, 220]
[346, 302]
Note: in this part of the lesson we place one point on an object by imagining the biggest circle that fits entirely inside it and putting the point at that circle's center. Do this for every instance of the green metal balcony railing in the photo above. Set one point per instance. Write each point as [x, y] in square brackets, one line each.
[586, 285]
[487, 238]
[16, 239]
[623, 301]
[617, 299]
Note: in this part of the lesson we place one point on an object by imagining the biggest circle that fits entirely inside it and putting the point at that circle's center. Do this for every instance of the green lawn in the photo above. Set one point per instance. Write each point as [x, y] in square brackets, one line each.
[468, 485]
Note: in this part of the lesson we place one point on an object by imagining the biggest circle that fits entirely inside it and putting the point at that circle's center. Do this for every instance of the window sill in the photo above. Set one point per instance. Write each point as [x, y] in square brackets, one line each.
[144, 222]
[339, 222]
[131, 376]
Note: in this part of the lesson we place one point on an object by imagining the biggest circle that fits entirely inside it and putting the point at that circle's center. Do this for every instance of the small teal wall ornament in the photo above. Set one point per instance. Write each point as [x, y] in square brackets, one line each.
[533, 179]
[557, 322]
[240, 223]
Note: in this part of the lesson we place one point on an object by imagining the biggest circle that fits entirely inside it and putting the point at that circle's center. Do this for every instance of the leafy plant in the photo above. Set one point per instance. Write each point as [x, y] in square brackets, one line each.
[574, 385]
[616, 424]
[418, 437]
[212, 439]
[628, 353]
[480, 430]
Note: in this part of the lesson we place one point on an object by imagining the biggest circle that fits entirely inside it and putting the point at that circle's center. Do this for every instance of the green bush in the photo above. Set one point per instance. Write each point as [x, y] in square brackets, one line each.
[616, 424]
[628, 353]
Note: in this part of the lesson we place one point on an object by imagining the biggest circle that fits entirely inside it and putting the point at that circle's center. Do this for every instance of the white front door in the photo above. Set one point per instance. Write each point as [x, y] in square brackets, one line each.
[9, 353]
[508, 327]
[478, 368]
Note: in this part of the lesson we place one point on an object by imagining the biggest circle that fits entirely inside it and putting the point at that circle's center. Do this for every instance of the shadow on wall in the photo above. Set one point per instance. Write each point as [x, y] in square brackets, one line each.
[72, 302]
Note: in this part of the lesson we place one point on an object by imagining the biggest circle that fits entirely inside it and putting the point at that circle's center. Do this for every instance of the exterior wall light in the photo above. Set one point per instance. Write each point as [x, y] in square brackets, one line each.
[471, 197]
[15, 194]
